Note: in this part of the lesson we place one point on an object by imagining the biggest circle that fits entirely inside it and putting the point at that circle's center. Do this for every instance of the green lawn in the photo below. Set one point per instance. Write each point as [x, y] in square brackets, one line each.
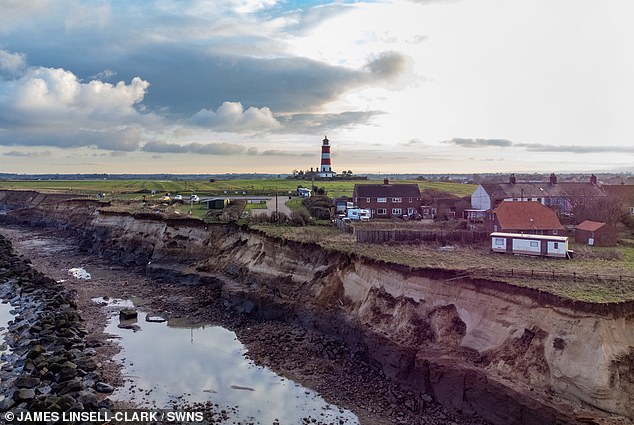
[126, 189]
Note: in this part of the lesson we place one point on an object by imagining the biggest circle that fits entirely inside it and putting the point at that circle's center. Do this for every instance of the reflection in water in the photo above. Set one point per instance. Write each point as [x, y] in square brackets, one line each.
[207, 363]
[5, 317]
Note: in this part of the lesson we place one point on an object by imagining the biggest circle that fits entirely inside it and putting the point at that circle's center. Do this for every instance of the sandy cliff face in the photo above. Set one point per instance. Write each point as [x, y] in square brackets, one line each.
[511, 354]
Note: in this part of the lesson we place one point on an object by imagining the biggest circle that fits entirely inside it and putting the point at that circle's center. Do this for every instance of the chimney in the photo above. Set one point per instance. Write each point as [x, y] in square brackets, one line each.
[593, 179]
[386, 181]
[553, 178]
[512, 179]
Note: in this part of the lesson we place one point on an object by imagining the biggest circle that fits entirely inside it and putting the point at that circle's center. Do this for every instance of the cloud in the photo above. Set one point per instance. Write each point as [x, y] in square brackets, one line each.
[538, 147]
[197, 148]
[231, 116]
[322, 123]
[11, 63]
[52, 107]
[478, 143]
[387, 65]
[22, 154]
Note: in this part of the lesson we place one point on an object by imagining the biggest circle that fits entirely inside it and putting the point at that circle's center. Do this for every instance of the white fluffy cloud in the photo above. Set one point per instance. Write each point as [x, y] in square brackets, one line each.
[52, 107]
[231, 116]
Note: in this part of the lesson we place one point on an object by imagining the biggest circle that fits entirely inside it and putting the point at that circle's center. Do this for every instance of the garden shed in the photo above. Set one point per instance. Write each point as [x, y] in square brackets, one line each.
[595, 233]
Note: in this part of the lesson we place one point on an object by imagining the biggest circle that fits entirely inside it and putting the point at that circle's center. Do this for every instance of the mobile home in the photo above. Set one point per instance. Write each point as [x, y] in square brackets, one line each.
[527, 244]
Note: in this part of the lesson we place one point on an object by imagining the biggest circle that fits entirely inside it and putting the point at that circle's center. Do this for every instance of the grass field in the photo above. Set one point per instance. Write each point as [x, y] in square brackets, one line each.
[590, 270]
[475, 261]
[126, 189]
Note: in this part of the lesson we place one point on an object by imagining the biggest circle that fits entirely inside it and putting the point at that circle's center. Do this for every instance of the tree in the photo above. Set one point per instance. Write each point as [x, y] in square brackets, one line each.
[607, 209]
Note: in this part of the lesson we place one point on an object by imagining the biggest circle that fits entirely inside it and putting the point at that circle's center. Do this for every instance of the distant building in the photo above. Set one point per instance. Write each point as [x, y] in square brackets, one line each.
[526, 217]
[595, 233]
[388, 200]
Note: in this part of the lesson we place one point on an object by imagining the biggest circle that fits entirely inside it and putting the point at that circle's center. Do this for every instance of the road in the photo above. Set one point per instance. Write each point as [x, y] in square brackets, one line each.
[270, 206]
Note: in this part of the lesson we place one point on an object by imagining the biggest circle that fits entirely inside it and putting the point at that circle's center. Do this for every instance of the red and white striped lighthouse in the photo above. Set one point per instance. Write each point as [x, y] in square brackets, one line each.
[325, 157]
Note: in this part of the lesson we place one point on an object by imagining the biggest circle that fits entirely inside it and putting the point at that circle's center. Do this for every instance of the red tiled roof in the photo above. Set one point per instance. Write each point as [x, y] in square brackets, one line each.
[526, 215]
[590, 226]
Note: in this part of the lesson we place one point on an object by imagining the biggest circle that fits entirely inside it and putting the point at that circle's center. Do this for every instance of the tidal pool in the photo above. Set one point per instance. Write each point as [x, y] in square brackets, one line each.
[5, 318]
[164, 363]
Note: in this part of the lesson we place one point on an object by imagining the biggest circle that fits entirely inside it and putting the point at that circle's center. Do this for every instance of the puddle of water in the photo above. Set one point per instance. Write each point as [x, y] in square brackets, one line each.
[207, 364]
[5, 318]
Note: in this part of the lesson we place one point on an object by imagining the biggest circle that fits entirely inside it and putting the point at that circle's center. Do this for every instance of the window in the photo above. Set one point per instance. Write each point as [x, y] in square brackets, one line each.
[534, 244]
[381, 200]
[499, 241]
[381, 211]
[410, 211]
[397, 211]
[631, 210]
[555, 232]
[397, 200]
[556, 245]
[367, 200]
[410, 200]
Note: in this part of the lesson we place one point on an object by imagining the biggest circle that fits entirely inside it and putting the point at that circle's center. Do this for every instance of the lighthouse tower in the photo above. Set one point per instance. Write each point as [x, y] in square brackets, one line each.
[324, 168]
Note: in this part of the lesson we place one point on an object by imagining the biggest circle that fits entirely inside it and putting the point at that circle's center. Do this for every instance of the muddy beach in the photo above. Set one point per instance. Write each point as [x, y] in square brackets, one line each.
[321, 363]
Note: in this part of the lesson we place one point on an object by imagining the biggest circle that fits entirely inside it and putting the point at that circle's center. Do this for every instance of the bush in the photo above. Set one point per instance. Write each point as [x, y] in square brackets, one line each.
[319, 206]
[300, 217]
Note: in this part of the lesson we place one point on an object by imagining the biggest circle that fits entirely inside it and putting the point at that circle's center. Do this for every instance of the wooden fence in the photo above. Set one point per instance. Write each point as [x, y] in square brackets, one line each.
[548, 274]
[344, 227]
[413, 236]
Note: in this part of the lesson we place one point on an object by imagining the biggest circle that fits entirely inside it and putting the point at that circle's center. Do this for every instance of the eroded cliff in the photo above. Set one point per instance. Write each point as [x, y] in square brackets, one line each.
[511, 354]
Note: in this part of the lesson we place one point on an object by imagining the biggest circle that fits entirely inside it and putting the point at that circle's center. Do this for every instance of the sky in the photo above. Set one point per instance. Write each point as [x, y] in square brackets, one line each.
[404, 86]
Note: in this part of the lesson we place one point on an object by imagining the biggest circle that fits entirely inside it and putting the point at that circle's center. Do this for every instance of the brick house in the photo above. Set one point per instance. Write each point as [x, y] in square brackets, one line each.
[524, 217]
[595, 233]
[388, 200]
[559, 196]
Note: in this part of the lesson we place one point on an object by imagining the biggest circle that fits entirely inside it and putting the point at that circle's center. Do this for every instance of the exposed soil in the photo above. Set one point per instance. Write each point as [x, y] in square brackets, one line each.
[317, 361]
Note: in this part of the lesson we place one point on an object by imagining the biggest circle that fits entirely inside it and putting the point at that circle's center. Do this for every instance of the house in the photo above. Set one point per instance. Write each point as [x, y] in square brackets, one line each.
[388, 200]
[595, 233]
[623, 192]
[560, 196]
[524, 217]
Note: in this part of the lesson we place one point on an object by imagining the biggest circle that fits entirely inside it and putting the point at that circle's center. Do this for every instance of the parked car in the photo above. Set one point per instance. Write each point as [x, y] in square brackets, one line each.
[178, 197]
[194, 198]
